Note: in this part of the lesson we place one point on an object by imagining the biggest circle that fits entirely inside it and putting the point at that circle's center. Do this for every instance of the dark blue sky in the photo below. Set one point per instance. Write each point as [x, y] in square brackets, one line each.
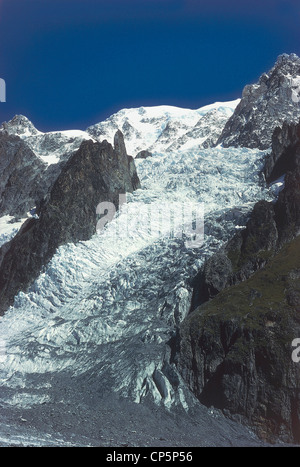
[71, 63]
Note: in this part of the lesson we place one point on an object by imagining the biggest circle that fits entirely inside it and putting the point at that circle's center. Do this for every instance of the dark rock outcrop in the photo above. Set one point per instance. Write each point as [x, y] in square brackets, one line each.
[24, 179]
[287, 208]
[248, 251]
[265, 106]
[96, 172]
[143, 154]
[284, 161]
[285, 154]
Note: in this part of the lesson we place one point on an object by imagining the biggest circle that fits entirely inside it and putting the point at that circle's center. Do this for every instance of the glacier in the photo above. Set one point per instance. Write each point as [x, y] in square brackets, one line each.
[99, 322]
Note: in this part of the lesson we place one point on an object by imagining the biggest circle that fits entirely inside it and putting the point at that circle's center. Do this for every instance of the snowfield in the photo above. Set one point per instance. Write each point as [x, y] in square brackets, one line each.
[164, 128]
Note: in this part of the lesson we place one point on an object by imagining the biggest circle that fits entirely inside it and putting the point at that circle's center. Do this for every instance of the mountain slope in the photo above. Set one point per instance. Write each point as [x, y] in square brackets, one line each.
[19, 163]
[51, 147]
[170, 128]
[265, 106]
[96, 173]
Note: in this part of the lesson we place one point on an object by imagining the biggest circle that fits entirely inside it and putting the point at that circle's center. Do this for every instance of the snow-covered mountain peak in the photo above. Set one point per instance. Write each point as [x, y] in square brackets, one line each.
[159, 128]
[19, 125]
[51, 147]
[289, 60]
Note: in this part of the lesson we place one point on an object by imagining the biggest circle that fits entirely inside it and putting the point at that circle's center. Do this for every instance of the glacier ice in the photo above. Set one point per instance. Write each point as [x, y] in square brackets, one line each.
[111, 304]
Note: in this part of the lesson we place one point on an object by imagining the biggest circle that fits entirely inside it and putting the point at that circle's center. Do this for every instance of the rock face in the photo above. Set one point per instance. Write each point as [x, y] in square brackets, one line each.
[236, 350]
[52, 147]
[24, 180]
[143, 154]
[30, 162]
[96, 172]
[235, 345]
[244, 254]
[287, 208]
[269, 227]
[265, 106]
[284, 161]
[285, 154]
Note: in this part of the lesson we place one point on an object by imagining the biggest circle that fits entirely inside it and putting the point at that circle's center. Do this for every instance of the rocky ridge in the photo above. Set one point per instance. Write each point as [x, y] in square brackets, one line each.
[96, 172]
[265, 105]
[52, 147]
[18, 162]
[29, 154]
